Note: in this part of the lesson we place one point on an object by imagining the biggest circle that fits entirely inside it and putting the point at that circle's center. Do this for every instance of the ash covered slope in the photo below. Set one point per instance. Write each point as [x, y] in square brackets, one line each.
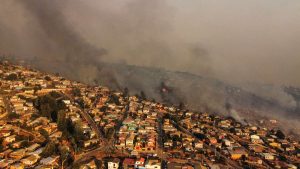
[200, 93]
[252, 103]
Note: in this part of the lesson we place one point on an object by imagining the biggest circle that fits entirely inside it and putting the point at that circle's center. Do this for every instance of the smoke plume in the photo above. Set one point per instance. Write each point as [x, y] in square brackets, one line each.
[58, 46]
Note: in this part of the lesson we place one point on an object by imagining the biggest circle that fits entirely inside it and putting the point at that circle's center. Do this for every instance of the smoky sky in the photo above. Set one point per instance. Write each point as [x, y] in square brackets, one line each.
[237, 41]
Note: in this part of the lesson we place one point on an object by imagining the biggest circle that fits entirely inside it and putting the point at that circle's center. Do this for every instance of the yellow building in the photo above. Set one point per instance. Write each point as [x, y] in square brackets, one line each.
[238, 153]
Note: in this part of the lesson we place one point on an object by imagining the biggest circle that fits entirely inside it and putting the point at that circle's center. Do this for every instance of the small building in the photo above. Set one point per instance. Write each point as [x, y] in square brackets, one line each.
[18, 154]
[238, 153]
[153, 164]
[10, 139]
[254, 160]
[49, 160]
[199, 145]
[113, 164]
[5, 163]
[33, 147]
[128, 163]
[37, 152]
[129, 141]
[268, 156]
[213, 141]
[31, 160]
[90, 142]
[5, 153]
[90, 165]
[5, 133]
[227, 142]
[17, 165]
[18, 144]
[168, 144]
[140, 163]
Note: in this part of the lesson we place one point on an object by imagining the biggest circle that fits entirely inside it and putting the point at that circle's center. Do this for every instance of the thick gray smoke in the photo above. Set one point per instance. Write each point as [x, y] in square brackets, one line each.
[73, 53]
[51, 42]
[236, 41]
[71, 32]
[95, 40]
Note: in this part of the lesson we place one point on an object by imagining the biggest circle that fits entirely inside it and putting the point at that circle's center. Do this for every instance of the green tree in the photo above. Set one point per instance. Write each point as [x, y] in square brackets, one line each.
[13, 115]
[114, 99]
[64, 152]
[76, 92]
[37, 87]
[49, 105]
[74, 145]
[70, 127]
[25, 143]
[78, 131]
[244, 158]
[176, 138]
[103, 108]
[181, 106]
[126, 92]
[50, 149]
[1, 145]
[12, 77]
[280, 134]
[61, 120]
[64, 155]
[143, 95]
[81, 103]
[110, 132]
[44, 133]
[47, 78]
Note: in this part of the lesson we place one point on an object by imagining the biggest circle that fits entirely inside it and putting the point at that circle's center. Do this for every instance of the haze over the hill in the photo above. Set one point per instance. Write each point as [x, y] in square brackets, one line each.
[250, 40]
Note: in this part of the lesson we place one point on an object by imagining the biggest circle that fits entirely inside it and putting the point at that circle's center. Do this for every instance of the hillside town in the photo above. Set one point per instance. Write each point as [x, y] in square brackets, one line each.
[49, 122]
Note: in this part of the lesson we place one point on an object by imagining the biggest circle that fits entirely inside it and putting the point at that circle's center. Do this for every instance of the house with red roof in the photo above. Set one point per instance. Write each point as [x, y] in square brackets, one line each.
[128, 163]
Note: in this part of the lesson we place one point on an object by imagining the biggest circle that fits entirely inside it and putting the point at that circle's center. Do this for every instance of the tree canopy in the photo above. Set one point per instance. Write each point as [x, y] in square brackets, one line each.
[49, 105]
[12, 77]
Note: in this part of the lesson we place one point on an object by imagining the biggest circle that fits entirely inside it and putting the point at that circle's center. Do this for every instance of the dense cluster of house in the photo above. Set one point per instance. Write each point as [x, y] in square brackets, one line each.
[24, 132]
[220, 138]
[139, 134]
[125, 163]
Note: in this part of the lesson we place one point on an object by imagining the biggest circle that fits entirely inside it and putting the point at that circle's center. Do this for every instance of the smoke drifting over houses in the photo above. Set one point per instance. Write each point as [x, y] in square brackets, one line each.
[239, 42]
[72, 54]
[233, 40]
